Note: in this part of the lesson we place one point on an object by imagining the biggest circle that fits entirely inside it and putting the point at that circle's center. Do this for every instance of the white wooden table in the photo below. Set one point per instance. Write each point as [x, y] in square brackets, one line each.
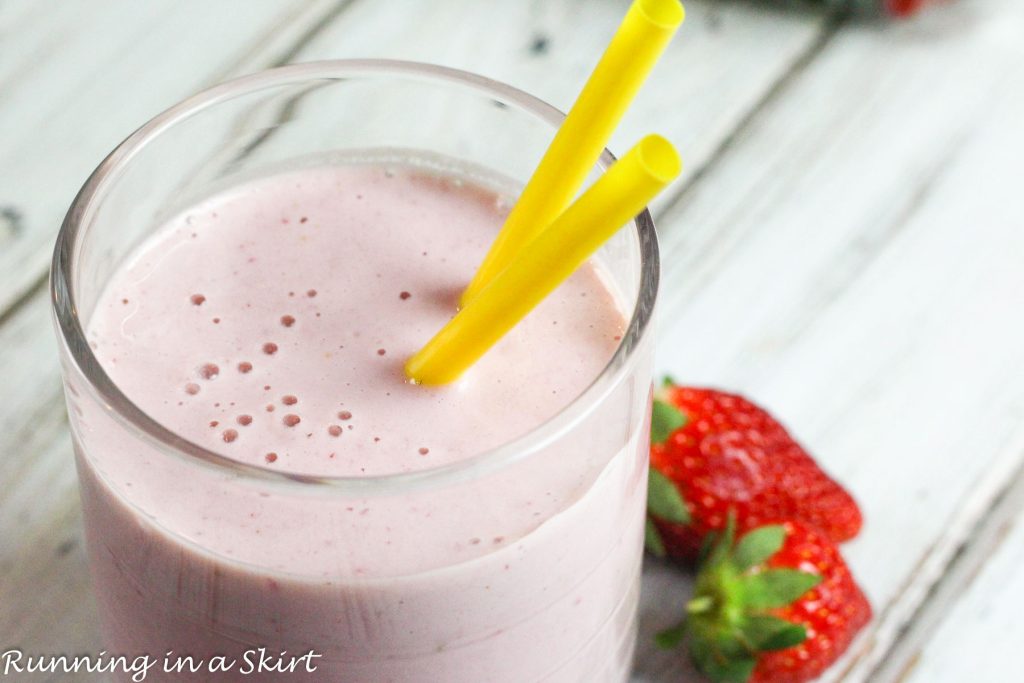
[847, 247]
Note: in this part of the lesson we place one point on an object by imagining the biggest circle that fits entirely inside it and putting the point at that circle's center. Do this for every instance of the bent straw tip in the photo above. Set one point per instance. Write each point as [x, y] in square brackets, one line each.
[658, 158]
[662, 13]
[417, 371]
[411, 369]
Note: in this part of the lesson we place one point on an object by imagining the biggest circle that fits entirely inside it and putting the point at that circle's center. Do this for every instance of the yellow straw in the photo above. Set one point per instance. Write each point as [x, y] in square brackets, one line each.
[619, 195]
[645, 32]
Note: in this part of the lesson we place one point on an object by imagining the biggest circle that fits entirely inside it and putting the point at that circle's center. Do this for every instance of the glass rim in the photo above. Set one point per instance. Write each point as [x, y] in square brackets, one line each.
[73, 340]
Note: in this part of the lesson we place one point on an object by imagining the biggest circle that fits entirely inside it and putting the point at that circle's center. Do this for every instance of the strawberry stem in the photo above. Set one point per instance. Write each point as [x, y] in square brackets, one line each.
[700, 605]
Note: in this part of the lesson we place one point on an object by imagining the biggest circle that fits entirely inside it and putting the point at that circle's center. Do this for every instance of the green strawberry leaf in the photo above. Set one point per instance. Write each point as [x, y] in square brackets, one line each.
[766, 633]
[735, 670]
[661, 392]
[726, 624]
[706, 546]
[758, 545]
[721, 543]
[652, 540]
[664, 500]
[671, 637]
[665, 419]
[722, 669]
[776, 587]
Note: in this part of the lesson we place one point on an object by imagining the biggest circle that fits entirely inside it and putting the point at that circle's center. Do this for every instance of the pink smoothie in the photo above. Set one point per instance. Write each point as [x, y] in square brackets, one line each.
[269, 324]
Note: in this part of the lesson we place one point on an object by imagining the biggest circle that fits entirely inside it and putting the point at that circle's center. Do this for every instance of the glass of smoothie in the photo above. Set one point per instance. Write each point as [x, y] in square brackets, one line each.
[236, 289]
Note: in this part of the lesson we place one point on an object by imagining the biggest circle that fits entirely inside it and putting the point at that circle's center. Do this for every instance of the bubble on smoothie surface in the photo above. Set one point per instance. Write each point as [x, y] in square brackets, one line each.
[291, 419]
[197, 299]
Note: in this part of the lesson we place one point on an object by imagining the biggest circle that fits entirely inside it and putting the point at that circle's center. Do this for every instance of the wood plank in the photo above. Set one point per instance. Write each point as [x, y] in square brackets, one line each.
[859, 273]
[159, 53]
[77, 78]
[665, 591]
[980, 637]
[32, 407]
[44, 577]
[720, 66]
[44, 581]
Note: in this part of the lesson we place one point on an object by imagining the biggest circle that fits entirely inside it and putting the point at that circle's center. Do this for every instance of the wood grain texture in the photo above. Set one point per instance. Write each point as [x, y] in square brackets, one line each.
[980, 637]
[45, 602]
[723, 62]
[854, 261]
[969, 617]
[62, 72]
[77, 77]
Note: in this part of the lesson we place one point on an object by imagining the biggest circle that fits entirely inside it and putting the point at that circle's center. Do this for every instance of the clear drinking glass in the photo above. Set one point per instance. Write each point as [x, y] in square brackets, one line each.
[556, 601]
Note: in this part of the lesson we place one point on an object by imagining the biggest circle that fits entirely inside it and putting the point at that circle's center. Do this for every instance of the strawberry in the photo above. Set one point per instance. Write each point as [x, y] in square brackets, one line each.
[778, 606]
[892, 8]
[713, 453]
[903, 8]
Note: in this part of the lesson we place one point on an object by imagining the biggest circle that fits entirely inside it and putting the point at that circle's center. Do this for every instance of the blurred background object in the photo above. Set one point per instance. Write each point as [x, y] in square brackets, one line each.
[887, 8]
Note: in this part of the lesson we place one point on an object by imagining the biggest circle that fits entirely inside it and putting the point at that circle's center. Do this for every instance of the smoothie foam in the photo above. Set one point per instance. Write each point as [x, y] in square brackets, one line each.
[275, 318]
